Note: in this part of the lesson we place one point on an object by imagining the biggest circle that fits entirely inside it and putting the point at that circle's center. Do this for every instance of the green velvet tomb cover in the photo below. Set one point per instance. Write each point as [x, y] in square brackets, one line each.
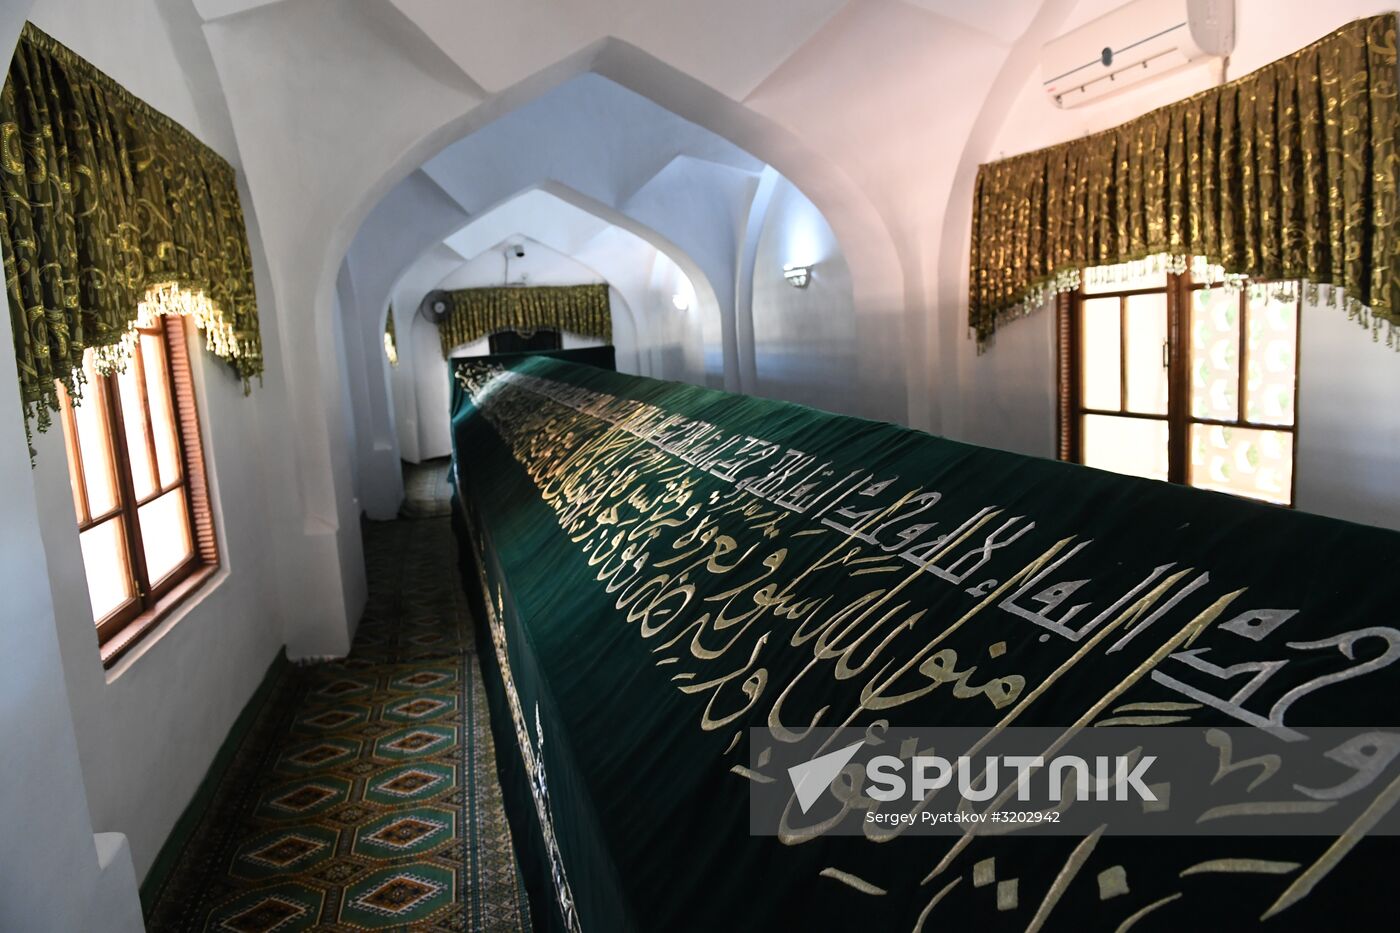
[662, 567]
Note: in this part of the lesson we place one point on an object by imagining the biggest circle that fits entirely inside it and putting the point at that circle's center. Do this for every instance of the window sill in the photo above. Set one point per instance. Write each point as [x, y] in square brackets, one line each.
[130, 636]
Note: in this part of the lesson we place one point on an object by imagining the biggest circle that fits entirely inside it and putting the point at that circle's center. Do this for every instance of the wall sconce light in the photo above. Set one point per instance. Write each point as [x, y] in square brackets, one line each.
[797, 276]
[681, 301]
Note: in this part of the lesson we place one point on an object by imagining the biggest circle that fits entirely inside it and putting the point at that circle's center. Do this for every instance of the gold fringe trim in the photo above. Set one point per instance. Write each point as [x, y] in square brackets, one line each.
[169, 299]
[1202, 270]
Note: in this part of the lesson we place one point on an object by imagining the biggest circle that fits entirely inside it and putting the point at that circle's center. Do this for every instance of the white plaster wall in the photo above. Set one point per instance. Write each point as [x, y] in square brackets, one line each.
[498, 265]
[1265, 30]
[1016, 407]
[703, 208]
[354, 585]
[887, 90]
[56, 883]
[277, 75]
[432, 392]
[145, 45]
[417, 342]
[568, 240]
[804, 339]
[147, 731]
[699, 37]
[401, 390]
[613, 147]
[1348, 438]
[300, 76]
[878, 165]
[551, 215]
[350, 352]
[1347, 443]
[673, 348]
[415, 215]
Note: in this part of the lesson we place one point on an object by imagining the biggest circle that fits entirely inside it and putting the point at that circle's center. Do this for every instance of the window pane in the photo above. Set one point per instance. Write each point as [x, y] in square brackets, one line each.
[1102, 351]
[90, 416]
[162, 407]
[1271, 327]
[1147, 340]
[165, 534]
[143, 477]
[1243, 461]
[104, 558]
[1136, 446]
[1215, 354]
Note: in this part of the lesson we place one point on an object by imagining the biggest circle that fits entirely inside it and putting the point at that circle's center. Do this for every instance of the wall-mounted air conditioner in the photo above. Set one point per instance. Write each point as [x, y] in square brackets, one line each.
[1138, 41]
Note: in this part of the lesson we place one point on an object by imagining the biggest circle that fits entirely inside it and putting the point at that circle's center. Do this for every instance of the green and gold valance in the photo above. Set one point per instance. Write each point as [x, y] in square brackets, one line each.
[110, 212]
[473, 313]
[1286, 173]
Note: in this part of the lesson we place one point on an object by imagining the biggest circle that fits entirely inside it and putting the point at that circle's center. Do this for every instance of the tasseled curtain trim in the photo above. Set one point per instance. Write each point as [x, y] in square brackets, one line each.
[474, 313]
[1288, 173]
[111, 213]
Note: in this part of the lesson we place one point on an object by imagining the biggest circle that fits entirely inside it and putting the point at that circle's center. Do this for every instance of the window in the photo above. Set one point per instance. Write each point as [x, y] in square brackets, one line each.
[139, 491]
[509, 341]
[1164, 377]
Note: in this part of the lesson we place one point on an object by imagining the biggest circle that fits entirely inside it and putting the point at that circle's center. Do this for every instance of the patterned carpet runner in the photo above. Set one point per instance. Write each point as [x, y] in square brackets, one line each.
[364, 797]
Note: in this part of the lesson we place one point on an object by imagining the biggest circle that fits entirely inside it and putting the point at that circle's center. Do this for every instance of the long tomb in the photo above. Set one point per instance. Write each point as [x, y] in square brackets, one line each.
[661, 568]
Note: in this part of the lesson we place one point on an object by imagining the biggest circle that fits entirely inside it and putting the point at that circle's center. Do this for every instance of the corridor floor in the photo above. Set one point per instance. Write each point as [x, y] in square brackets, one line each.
[364, 795]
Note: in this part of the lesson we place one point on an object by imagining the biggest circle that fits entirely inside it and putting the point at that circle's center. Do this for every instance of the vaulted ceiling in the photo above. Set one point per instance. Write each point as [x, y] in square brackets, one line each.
[879, 111]
[866, 105]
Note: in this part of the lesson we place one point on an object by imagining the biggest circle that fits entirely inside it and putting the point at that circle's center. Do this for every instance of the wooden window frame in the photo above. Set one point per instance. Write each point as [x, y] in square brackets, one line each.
[1178, 290]
[122, 628]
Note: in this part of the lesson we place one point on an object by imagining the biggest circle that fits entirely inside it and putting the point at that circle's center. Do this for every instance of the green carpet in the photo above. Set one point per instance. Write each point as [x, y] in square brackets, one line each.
[364, 794]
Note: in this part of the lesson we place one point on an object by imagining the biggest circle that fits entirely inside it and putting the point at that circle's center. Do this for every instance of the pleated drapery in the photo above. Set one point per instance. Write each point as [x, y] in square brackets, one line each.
[1286, 173]
[473, 313]
[110, 213]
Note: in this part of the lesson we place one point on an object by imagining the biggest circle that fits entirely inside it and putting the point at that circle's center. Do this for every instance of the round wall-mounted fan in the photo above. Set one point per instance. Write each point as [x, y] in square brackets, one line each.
[435, 307]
